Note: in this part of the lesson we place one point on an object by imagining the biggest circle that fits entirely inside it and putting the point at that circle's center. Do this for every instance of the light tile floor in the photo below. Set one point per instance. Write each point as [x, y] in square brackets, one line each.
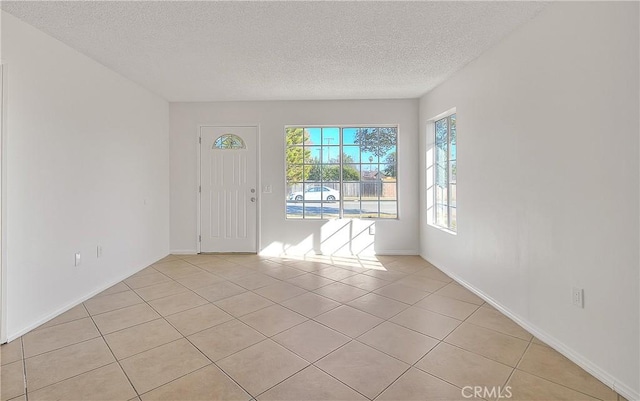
[244, 327]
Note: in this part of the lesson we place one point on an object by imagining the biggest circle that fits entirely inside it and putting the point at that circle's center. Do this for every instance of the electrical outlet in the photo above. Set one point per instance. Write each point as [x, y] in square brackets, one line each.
[577, 297]
[267, 189]
[372, 229]
[77, 262]
[99, 251]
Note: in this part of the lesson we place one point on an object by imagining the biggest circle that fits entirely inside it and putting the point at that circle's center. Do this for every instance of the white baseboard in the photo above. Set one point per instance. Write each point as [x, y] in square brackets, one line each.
[73, 304]
[184, 252]
[597, 372]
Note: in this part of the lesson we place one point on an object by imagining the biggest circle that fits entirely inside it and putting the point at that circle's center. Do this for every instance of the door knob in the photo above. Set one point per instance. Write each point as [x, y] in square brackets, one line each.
[253, 199]
[253, 190]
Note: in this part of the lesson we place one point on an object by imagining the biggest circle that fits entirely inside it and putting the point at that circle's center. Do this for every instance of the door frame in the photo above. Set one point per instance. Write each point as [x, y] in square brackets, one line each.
[199, 182]
[3, 205]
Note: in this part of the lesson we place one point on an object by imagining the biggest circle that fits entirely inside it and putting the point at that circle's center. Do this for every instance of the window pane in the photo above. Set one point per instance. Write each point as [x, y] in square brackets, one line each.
[454, 224]
[441, 176]
[315, 172]
[388, 161]
[441, 142]
[331, 154]
[389, 190]
[331, 191]
[351, 209]
[330, 210]
[350, 192]
[370, 208]
[351, 172]
[315, 153]
[331, 136]
[349, 136]
[441, 217]
[388, 170]
[453, 169]
[294, 208]
[369, 172]
[313, 136]
[452, 195]
[388, 209]
[453, 139]
[312, 210]
[295, 136]
[368, 156]
[440, 195]
[370, 190]
[325, 172]
[313, 192]
[296, 154]
[351, 154]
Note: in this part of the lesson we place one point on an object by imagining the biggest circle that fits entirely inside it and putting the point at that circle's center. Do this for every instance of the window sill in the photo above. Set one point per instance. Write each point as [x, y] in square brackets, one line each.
[443, 229]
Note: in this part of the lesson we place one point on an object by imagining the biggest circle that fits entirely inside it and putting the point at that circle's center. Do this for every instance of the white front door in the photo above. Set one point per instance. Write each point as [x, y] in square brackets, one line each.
[228, 194]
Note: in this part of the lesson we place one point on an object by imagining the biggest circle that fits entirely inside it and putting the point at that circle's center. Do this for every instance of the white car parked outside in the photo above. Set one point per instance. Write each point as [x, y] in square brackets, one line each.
[316, 193]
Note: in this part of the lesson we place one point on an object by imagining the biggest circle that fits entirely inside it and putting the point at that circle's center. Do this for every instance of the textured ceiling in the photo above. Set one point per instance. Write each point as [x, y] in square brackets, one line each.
[205, 51]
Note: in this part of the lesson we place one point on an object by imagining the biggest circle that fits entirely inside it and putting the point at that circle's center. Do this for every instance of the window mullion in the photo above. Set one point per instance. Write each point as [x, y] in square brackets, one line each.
[448, 161]
[449, 171]
[340, 185]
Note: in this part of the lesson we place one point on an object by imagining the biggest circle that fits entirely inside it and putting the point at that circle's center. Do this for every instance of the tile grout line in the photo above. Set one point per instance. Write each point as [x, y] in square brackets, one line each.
[550, 380]
[283, 280]
[135, 390]
[266, 338]
[192, 344]
[24, 371]
[351, 339]
[440, 341]
[178, 331]
[175, 280]
[328, 373]
[456, 346]
[308, 319]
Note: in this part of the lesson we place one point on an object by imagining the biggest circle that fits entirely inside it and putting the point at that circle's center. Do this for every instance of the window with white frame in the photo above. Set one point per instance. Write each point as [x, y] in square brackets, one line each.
[445, 172]
[341, 172]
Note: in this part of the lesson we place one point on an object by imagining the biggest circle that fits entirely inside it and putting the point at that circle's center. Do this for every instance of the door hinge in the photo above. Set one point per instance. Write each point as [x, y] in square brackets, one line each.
[200, 140]
[199, 188]
[199, 238]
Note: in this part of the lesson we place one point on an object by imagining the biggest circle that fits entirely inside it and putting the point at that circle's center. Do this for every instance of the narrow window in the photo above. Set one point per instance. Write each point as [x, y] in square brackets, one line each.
[445, 172]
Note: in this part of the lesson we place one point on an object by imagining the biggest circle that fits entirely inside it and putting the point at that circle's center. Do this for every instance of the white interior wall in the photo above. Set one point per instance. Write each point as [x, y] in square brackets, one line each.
[278, 234]
[548, 178]
[87, 164]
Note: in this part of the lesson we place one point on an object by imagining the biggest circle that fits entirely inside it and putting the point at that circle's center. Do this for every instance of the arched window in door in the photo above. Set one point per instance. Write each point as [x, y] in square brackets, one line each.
[229, 141]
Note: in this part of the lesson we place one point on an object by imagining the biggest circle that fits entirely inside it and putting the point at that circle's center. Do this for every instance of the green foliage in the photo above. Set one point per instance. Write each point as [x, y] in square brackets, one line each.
[350, 174]
[315, 173]
[297, 155]
[442, 139]
[377, 140]
[390, 161]
[347, 158]
[327, 172]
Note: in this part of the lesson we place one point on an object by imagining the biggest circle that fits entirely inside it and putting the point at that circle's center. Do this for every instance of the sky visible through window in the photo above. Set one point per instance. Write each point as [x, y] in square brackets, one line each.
[335, 172]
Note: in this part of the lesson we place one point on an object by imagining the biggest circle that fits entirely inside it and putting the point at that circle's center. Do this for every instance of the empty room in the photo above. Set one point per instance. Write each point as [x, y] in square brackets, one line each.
[258, 200]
